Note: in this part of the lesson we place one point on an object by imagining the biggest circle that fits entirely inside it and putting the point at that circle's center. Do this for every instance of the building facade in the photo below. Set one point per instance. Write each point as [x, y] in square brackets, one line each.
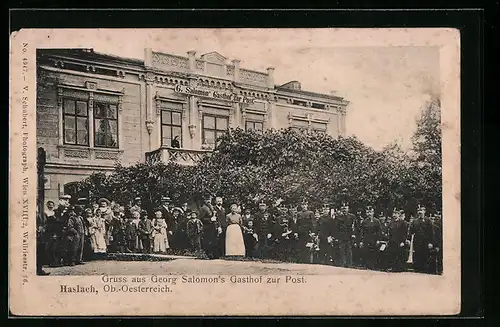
[95, 110]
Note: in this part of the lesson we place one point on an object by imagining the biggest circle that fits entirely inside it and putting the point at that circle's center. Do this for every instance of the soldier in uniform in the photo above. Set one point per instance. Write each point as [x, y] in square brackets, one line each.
[283, 235]
[345, 235]
[398, 242]
[220, 214]
[326, 235]
[210, 227]
[307, 225]
[437, 253]
[371, 233]
[357, 255]
[423, 241]
[384, 225]
[265, 230]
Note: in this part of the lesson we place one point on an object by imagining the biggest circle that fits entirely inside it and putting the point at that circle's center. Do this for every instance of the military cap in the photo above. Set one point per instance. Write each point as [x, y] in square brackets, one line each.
[165, 198]
[137, 198]
[65, 197]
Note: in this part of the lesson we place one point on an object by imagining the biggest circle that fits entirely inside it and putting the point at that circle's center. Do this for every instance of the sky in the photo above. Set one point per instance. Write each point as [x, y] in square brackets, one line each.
[386, 84]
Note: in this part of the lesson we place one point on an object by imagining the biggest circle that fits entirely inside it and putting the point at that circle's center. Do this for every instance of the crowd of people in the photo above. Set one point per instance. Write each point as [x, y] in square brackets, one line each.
[72, 234]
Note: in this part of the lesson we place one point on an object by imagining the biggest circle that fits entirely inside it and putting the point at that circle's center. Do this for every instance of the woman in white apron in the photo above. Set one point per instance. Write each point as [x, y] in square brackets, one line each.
[235, 246]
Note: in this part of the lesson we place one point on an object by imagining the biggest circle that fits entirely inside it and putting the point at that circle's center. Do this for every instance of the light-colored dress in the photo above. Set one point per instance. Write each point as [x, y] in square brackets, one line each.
[97, 230]
[235, 246]
[160, 241]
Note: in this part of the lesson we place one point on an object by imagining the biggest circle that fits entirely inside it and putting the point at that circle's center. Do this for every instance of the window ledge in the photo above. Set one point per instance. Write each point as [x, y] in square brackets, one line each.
[68, 151]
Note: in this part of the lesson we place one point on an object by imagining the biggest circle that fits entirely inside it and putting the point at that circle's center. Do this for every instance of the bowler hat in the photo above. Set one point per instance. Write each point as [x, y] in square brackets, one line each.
[104, 200]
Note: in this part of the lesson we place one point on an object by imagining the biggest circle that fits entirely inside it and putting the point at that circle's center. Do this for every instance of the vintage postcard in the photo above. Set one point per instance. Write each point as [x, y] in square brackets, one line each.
[230, 172]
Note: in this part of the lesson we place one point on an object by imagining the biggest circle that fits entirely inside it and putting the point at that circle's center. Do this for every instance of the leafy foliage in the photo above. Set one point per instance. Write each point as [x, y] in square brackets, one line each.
[246, 167]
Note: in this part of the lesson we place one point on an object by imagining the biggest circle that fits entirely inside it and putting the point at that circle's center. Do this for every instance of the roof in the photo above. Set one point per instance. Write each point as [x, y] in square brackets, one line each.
[90, 54]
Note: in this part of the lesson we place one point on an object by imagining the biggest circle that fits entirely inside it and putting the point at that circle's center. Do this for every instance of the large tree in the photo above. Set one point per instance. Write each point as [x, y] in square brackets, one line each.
[427, 161]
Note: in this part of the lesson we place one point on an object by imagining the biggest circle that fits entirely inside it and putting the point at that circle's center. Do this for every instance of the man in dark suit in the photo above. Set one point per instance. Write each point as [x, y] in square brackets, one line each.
[220, 214]
[438, 239]
[307, 225]
[210, 227]
[371, 234]
[398, 242]
[327, 237]
[345, 235]
[423, 242]
[265, 228]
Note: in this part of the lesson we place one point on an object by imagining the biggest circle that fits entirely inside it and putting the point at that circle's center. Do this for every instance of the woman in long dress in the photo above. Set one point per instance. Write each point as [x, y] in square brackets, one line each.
[97, 229]
[235, 246]
[160, 241]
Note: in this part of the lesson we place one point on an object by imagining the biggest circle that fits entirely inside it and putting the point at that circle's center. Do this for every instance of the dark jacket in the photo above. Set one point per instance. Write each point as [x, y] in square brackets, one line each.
[130, 231]
[145, 229]
[345, 226]
[194, 227]
[371, 231]
[221, 217]
[307, 223]
[263, 226]
[424, 232]
[398, 232]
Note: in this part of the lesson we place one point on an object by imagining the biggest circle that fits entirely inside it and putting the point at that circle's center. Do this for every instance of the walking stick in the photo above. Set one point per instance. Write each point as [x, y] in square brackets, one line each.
[410, 255]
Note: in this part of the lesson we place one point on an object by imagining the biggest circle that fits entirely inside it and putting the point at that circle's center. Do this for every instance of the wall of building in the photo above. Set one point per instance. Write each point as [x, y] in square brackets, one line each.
[145, 92]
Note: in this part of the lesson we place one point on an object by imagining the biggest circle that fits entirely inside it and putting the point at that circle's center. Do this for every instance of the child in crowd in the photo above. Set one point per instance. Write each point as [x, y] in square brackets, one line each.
[194, 232]
[131, 235]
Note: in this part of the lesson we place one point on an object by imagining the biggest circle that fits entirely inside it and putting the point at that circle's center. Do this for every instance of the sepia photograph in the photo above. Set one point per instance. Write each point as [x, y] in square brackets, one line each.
[239, 156]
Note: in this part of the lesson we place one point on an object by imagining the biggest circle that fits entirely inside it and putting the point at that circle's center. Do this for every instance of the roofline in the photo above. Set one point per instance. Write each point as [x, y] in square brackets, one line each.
[320, 95]
[80, 51]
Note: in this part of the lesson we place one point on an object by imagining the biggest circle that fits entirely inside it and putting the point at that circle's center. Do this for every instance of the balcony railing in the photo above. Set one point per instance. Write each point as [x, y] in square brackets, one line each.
[181, 156]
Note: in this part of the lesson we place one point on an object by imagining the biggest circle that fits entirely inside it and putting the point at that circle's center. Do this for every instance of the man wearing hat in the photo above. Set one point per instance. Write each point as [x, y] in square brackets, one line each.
[266, 230]
[220, 213]
[137, 204]
[307, 225]
[345, 235]
[210, 227]
[327, 234]
[397, 250]
[423, 241]
[357, 253]
[371, 234]
[61, 216]
[438, 239]
[72, 237]
[166, 209]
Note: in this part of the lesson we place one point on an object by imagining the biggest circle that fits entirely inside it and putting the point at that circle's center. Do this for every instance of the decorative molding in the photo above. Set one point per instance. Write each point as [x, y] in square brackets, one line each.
[166, 60]
[114, 99]
[253, 77]
[107, 155]
[77, 153]
[91, 85]
[150, 126]
[200, 64]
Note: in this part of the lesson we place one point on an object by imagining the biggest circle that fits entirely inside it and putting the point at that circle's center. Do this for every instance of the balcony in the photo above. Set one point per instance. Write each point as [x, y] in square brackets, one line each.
[181, 156]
